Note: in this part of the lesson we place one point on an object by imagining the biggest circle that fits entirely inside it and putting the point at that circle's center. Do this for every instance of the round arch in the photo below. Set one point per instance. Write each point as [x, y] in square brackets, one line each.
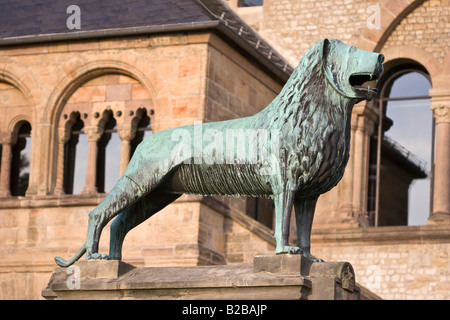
[17, 122]
[21, 78]
[395, 68]
[419, 55]
[80, 73]
[392, 12]
[85, 72]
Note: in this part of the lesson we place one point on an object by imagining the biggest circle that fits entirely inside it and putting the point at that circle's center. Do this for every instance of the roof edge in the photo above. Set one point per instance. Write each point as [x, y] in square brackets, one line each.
[282, 72]
[92, 34]
[277, 70]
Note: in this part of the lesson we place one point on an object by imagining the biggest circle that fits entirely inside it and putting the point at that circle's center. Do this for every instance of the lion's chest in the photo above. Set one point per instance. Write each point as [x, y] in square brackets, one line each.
[322, 160]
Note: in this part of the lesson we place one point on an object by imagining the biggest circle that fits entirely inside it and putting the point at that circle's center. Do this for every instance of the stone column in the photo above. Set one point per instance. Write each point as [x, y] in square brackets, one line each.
[126, 134]
[40, 177]
[440, 104]
[93, 135]
[345, 186]
[355, 180]
[5, 173]
[63, 137]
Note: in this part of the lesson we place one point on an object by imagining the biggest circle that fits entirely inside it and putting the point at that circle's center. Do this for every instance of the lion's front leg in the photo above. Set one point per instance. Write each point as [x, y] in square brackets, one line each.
[283, 208]
[304, 215]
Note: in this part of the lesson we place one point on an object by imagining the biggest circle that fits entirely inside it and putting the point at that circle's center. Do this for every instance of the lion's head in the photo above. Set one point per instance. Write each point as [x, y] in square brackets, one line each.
[330, 73]
[352, 72]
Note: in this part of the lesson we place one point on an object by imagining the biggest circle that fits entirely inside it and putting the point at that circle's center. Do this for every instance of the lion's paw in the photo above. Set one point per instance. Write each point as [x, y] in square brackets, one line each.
[289, 250]
[97, 256]
[311, 257]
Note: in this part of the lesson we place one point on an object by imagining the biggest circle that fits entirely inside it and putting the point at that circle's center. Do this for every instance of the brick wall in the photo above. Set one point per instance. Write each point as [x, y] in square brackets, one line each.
[426, 27]
[183, 78]
[235, 88]
[292, 26]
[393, 262]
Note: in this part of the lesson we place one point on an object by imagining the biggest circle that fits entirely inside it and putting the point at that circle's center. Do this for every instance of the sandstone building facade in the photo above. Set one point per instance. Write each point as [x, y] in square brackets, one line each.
[68, 95]
[403, 262]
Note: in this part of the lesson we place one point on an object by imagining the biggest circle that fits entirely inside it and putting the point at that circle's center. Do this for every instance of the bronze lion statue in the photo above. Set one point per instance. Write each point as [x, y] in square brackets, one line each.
[296, 149]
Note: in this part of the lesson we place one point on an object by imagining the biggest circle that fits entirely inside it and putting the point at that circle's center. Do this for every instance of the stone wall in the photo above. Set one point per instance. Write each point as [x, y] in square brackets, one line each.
[411, 29]
[292, 27]
[53, 78]
[194, 77]
[398, 263]
[426, 27]
[29, 240]
[234, 87]
[179, 79]
[13, 103]
[393, 262]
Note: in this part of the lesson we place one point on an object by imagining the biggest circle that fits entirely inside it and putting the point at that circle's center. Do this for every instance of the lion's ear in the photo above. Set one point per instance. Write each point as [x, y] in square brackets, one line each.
[327, 66]
[326, 48]
[325, 51]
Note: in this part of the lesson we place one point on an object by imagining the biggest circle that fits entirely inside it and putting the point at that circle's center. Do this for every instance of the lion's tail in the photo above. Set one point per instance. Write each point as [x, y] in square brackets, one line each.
[63, 263]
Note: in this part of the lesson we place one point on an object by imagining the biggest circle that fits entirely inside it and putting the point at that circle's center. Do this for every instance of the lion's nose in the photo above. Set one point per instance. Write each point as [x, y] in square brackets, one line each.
[380, 58]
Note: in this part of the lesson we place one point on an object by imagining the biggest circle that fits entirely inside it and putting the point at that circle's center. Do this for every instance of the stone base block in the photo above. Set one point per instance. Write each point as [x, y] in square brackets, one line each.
[329, 280]
[274, 277]
[439, 218]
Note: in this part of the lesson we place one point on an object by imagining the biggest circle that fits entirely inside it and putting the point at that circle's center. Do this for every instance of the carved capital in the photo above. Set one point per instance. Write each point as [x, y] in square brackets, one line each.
[364, 118]
[8, 138]
[93, 133]
[126, 131]
[63, 135]
[441, 113]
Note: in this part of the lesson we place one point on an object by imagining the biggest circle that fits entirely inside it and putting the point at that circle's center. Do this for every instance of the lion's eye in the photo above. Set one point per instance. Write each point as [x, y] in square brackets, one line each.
[353, 49]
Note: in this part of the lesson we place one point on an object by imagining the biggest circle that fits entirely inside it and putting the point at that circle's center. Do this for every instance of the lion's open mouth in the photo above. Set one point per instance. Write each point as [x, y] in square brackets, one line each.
[364, 83]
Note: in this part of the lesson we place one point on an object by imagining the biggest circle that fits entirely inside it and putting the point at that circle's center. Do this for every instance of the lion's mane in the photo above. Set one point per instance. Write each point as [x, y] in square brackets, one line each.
[310, 112]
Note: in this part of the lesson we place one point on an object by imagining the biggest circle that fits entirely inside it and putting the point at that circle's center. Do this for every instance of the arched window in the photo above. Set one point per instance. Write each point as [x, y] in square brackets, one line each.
[108, 156]
[20, 160]
[75, 151]
[96, 129]
[15, 141]
[401, 163]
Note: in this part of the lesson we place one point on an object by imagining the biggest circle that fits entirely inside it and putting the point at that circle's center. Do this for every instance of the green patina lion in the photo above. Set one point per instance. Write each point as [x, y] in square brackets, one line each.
[293, 150]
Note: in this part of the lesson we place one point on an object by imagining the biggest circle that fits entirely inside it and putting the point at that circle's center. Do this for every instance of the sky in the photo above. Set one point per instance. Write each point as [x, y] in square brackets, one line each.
[412, 129]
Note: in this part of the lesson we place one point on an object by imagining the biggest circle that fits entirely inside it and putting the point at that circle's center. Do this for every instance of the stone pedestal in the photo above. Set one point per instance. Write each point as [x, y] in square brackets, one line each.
[275, 277]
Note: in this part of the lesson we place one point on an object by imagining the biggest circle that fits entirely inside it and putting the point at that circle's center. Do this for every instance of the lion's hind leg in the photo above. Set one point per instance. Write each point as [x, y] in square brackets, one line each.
[143, 209]
[125, 193]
